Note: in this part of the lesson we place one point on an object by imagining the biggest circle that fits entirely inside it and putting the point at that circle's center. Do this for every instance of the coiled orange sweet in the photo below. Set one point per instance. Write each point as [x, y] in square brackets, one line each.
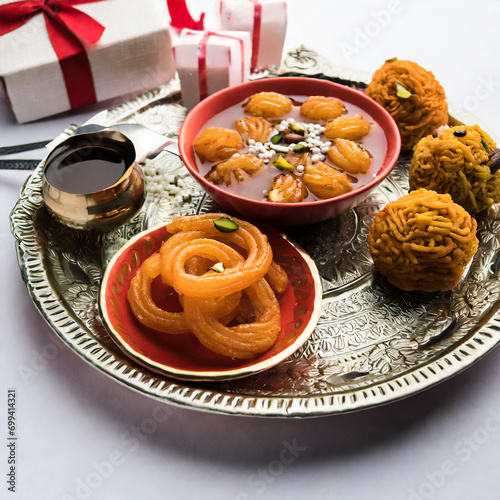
[225, 283]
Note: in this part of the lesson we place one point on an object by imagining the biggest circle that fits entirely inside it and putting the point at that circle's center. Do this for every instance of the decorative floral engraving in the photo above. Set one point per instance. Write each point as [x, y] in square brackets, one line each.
[369, 334]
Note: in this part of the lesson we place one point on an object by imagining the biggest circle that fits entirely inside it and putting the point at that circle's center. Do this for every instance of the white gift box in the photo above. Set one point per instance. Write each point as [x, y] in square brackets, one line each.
[134, 54]
[265, 20]
[210, 61]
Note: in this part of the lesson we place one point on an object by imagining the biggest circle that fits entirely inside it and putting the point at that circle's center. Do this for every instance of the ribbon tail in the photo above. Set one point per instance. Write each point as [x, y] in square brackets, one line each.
[181, 18]
[202, 67]
[257, 21]
[74, 62]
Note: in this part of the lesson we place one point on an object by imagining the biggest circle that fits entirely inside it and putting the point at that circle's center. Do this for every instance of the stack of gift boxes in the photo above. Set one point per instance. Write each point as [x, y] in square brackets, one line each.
[59, 55]
[251, 39]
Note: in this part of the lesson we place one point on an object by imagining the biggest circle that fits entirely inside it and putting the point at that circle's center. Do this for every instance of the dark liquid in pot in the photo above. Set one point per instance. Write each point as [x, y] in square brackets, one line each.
[86, 170]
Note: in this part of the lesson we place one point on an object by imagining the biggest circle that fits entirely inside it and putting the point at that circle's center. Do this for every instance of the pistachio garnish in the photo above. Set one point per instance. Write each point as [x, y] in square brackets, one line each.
[298, 129]
[225, 225]
[282, 164]
[218, 268]
[301, 148]
[402, 92]
[277, 138]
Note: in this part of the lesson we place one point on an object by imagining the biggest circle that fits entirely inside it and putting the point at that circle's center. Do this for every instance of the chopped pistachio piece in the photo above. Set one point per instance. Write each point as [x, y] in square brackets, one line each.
[298, 129]
[277, 138]
[218, 268]
[282, 164]
[391, 59]
[402, 92]
[301, 148]
[225, 225]
[485, 146]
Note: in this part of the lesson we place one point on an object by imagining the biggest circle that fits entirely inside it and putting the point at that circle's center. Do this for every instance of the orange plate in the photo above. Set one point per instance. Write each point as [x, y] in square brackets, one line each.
[182, 356]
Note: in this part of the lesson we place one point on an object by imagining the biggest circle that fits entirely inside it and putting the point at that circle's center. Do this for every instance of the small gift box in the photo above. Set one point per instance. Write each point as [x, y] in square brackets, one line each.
[265, 20]
[209, 61]
[62, 54]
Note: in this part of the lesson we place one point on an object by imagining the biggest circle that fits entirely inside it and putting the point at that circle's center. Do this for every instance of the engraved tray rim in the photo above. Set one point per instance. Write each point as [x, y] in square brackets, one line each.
[470, 348]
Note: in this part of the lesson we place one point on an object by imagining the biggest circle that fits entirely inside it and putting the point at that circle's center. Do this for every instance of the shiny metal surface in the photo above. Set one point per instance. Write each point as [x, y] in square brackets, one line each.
[373, 343]
[106, 208]
[147, 142]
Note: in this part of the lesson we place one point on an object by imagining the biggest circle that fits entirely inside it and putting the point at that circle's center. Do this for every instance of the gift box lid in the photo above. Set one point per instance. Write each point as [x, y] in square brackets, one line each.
[133, 54]
[210, 61]
[29, 46]
[187, 45]
[266, 20]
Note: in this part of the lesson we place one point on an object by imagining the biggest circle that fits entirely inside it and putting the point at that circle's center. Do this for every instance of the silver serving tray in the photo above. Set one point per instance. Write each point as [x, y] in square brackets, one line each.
[373, 343]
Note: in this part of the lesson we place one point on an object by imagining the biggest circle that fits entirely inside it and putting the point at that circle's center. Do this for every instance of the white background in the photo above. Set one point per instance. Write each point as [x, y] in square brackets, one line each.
[81, 435]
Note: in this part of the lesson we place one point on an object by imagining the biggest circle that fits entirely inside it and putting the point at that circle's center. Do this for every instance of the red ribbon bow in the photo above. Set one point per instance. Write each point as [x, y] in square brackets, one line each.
[68, 28]
[180, 17]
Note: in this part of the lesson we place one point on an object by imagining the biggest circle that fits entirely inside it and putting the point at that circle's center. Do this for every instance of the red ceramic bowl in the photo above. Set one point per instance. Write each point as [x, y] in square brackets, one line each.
[286, 214]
